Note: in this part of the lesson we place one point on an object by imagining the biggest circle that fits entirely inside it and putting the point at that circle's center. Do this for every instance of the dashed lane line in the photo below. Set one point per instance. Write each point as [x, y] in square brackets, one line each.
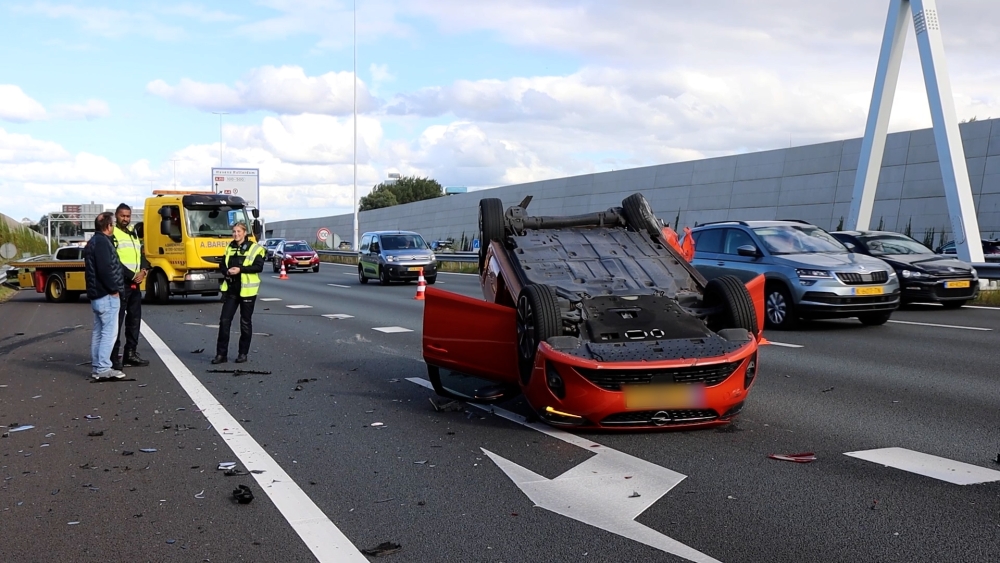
[339, 316]
[391, 329]
[940, 325]
[299, 306]
[270, 299]
[339, 285]
[326, 542]
[940, 468]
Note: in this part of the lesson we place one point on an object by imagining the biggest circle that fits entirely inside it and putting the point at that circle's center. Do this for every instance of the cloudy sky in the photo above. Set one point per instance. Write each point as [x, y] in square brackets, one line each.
[103, 100]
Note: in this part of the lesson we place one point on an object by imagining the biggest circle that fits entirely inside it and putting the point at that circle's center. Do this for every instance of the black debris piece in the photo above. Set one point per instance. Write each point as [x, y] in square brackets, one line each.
[93, 433]
[234, 472]
[242, 494]
[198, 351]
[127, 452]
[446, 405]
[383, 549]
[240, 371]
[634, 495]
[828, 390]
[298, 388]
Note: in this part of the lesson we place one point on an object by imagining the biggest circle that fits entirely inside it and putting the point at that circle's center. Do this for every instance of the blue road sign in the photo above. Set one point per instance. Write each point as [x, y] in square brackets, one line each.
[475, 244]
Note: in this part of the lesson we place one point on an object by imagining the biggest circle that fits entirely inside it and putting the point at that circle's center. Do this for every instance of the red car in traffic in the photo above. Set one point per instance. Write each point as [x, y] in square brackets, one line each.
[295, 255]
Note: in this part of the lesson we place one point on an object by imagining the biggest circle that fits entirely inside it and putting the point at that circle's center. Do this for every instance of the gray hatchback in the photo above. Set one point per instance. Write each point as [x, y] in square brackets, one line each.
[395, 256]
[809, 273]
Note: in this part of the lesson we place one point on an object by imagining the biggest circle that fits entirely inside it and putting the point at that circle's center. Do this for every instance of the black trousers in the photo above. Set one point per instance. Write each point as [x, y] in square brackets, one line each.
[229, 307]
[129, 317]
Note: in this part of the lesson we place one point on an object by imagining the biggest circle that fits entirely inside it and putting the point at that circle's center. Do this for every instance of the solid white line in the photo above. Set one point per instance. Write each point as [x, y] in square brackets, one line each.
[338, 285]
[940, 468]
[939, 326]
[784, 345]
[320, 535]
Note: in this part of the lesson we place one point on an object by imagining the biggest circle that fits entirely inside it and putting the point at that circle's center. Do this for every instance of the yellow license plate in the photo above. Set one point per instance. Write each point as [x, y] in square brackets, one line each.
[868, 291]
[417, 269]
[686, 396]
[956, 284]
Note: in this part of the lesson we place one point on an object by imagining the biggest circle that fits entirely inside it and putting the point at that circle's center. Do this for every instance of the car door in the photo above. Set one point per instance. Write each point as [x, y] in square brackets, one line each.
[363, 252]
[707, 247]
[372, 260]
[732, 240]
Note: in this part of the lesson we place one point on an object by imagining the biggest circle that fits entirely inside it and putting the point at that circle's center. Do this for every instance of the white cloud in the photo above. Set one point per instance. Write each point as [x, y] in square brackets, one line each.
[17, 106]
[106, 22]
[284, 90]
[91, 109]
[199, 13]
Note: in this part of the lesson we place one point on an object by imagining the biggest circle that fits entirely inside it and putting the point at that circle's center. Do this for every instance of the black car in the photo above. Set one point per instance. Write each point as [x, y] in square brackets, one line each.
[991, 249]
[923, 275]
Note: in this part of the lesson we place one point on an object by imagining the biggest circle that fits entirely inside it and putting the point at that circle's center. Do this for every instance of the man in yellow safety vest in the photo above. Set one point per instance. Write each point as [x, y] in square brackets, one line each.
[134, 268]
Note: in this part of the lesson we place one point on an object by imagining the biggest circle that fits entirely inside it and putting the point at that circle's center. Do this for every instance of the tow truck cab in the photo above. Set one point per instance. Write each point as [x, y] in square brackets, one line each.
[187, 238]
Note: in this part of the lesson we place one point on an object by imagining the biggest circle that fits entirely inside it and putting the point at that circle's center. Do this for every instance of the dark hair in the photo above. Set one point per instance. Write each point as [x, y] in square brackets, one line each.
[122, 206]
[103, 221]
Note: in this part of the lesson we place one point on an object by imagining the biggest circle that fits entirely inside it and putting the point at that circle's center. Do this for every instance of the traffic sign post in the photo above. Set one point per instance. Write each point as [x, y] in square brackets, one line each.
[242, 182]
[475, 244]
[322, 234]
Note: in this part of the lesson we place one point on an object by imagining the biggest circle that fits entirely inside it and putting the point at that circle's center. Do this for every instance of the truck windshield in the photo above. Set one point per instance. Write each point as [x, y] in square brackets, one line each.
[215, 221]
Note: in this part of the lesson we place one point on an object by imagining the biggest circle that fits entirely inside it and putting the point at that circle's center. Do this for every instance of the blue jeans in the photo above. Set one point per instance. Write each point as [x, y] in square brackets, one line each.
[105, 331]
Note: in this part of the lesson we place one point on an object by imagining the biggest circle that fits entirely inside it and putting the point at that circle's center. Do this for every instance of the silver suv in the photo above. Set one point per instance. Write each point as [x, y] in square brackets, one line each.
[809, 273]
[395, 256]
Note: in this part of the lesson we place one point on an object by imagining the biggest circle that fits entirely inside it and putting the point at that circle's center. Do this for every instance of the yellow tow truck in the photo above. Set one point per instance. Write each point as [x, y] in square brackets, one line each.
[184, 251]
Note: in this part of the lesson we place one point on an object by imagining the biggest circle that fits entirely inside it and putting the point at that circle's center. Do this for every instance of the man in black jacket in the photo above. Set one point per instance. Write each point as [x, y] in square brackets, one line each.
[103, 274]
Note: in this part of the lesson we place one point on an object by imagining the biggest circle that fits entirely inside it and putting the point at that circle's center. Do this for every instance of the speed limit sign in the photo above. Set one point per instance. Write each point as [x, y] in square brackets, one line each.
[323, 234]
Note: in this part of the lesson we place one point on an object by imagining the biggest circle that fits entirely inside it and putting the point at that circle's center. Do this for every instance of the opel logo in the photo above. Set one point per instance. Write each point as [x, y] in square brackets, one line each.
[661, 418]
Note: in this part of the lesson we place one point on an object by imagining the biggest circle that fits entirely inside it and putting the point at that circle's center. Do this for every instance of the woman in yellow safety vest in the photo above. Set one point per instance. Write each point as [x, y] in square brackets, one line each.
[242, 264]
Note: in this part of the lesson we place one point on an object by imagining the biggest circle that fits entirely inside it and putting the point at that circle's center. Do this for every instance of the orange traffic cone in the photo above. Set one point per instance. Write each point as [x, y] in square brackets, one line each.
[283, 275]
[421, 286]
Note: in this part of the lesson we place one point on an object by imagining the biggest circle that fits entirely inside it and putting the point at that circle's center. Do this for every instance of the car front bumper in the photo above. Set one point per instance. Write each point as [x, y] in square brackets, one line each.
[830, 298]
[409, 270]
[210, 284]
[935, 291]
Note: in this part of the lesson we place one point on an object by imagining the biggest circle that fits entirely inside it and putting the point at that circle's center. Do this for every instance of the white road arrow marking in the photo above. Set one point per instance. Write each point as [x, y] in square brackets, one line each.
[596, 492]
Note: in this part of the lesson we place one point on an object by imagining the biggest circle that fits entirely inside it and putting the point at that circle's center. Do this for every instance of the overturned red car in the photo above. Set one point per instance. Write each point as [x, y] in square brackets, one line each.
[599, 320]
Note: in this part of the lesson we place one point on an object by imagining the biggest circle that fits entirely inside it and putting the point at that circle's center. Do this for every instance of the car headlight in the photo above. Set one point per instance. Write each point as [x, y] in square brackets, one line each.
[390, 258]
[975, 274]
[915, 274]
[802, 273]
[433, 257]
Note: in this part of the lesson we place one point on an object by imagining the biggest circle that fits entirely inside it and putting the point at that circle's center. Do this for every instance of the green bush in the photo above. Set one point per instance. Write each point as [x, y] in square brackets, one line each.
[26, 240]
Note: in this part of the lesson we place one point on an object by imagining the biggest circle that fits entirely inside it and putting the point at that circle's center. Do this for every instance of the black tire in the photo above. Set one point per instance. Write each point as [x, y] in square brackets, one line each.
[491, 227]
[874, 319]
[538, 319]
[361, 275]
[55, 289]
[953, 304]
[274, 266]
[738, 310]
[431, 280]
[316, 269]
[779, 309]
[383, 276]
[639, 215]
[158, 290]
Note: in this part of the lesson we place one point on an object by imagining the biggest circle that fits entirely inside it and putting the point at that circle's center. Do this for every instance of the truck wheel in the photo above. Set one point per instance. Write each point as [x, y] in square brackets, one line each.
[738, 310]
[55, 289]
[639, 215]
[538, 319]
[159, 289]
[490, 225]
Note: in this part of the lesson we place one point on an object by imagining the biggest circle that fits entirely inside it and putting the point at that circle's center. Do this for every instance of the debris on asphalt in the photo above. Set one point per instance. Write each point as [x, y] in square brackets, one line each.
[226, 465]
[93, 433]
[298, 388]
[93, 417]
[446, 406]
[198, 351]
[257, 471]
[147, 450]
[384, 500]
[127, 452]
[306, 380]
[377, 424]
[233, 472]
[634, 494]
[19, 428]
[237, 372]
[804, 457]
[55, 492]
[874, 505]
[50, 434]
[243, 494]
[828, 390]
[998, 458]
[72, 523]
[171, 541]
[421, 462]
[201, 494]
[382, 549]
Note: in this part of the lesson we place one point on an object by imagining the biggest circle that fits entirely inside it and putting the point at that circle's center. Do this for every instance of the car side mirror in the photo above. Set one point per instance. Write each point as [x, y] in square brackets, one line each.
[748, 250]
[140, 230]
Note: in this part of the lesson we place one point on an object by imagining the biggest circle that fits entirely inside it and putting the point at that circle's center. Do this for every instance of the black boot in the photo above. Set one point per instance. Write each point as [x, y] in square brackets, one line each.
[241, 358]
[132, 358]
[116, 362]
[219, 360]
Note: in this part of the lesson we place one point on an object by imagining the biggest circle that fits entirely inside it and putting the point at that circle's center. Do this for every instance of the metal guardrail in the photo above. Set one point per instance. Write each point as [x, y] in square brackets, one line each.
[988, 270]
[466, 257]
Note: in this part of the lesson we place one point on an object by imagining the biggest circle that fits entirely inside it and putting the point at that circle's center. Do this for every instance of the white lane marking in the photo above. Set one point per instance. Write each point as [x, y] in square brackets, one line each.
[212, 326]
[391, 329]
[940, 468]
[299, 306]
[784, 344]
[339, 316]
[595, 492]
[320, 535]
[940, 326]
[194, 324]
[270, 299]
[348, 273]
[458, 274]
[338, 285]
[980, 307]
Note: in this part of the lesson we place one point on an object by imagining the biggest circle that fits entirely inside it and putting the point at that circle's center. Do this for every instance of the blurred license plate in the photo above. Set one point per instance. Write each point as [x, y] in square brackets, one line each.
[686, 396]
[868, 291]
[956, 284]
[303, 262]
[416, 269]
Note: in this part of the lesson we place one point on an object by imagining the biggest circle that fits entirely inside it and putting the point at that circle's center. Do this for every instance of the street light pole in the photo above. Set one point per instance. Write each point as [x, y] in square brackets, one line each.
[174, 160]
[220, 114]
[355, 76]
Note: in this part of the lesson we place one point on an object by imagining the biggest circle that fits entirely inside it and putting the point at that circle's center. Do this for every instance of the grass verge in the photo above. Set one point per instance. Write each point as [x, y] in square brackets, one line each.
[988, 298]
[6, 293]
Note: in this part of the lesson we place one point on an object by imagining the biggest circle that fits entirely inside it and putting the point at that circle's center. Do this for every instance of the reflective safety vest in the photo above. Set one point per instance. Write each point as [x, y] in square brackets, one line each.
[129, 248]
[249, 283]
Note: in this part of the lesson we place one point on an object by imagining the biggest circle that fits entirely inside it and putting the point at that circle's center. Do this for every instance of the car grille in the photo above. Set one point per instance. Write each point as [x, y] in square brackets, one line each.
[855, 278]
[662, 417]
[834, 299]
[613, 379]
[943, 293]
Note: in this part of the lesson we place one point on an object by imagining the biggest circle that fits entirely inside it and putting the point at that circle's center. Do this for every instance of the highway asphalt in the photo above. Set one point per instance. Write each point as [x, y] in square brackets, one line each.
[421, 478]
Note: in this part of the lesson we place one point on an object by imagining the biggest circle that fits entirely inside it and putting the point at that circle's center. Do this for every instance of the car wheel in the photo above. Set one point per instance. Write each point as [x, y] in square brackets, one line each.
[274, 266]
[491, 226]
[639, 215]
[361, 275]
[738, 310]
[874, 319]
[316, 269]
[55, 289]
[953, 304]
[779, 309]
[538, 319]
[383, 276]
[431, 280]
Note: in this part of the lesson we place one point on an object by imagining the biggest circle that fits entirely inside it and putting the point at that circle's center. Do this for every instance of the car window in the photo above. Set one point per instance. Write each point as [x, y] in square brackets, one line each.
[890, 245]
[297, 247]
[365, 241]
[789, 239]
[709, 240]
[403, 242]
[735, 238]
